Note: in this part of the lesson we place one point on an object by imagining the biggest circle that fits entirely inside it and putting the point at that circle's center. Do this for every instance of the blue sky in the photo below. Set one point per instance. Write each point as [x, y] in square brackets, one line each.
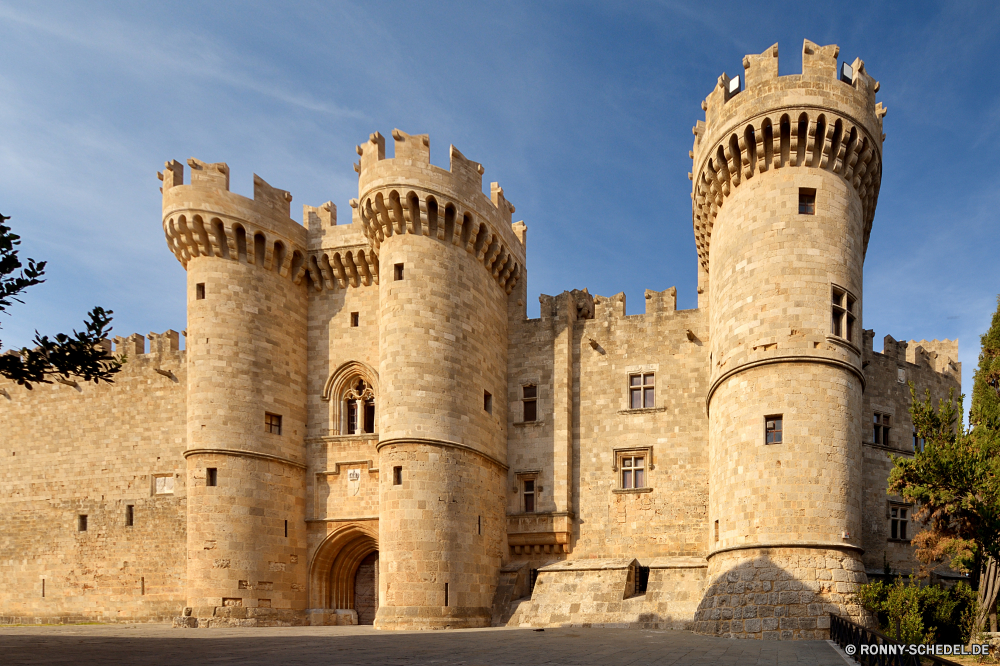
[581, 110]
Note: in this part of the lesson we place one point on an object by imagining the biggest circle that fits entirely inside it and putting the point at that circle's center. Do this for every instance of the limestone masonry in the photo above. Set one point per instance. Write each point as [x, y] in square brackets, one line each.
[364, 426]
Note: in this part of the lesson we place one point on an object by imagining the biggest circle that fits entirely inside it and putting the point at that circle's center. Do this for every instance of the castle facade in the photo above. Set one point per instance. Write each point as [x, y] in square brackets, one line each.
[364, 426]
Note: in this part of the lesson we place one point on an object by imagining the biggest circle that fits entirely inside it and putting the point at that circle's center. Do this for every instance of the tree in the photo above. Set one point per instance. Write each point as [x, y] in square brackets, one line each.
[78, 355]
[955, 480]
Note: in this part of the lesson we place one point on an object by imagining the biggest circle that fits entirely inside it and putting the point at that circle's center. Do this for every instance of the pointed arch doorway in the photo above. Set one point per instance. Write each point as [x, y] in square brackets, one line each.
[344, 571]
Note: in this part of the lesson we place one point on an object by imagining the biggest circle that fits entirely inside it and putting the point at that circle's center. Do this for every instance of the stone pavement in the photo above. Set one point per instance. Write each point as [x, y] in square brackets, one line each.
[159, 644]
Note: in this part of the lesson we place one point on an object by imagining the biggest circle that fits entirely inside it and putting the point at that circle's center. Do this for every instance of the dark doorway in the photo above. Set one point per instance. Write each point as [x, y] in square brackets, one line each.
[366, 589]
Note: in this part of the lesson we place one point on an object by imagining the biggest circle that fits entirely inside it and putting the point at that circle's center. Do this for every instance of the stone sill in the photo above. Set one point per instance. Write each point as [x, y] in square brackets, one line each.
[631, 491]
[651, 410]
[902, 541]
[528, 424]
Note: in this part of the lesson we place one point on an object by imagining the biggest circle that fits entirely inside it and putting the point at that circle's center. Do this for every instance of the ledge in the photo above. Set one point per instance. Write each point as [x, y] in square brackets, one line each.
[651, 410]
[631, 491]
[804, 545]
[833, 339]
[244, 454]
[342, 520]
[528, 424]
[890, 449]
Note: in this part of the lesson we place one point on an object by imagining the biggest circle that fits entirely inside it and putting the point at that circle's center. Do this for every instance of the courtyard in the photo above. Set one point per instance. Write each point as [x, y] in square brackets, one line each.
[363, 645]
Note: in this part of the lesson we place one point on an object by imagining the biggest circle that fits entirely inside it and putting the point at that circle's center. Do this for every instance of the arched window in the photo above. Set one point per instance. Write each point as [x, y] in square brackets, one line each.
[359, 406]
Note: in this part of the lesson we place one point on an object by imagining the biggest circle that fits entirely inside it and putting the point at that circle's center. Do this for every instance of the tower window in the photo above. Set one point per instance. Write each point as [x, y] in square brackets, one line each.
[397, 476]
[898, 522]
[843, 314]
[807, 201]
[488, 401]
[881, 424]
[272, 423]
[641, 392]
[129, 515]
[199, 291]
[81, 523]
[772, 429]
[530, 401]
[397, 272]
[355, 319]
[211, 476]
[528, 494]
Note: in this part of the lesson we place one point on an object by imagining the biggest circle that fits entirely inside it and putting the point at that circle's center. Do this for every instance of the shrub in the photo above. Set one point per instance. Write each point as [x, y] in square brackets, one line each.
[925, 613]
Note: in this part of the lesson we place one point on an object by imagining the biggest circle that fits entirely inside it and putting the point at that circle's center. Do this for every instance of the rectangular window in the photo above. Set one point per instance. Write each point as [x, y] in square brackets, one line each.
[369, 416]
[397, 476]
[843, 314]
[807, 201]
[355, 319]
[211, 476]
[479, 525]
[633, 472]
[397, 272]
[286, 529]
[772, 429]
[81, 523]
[528, 493]
[446, 594]
[199, 291]
[918, 443]
[641, 579]
[641, 391]
[129, 515]
[898, 522]
[272, 423]
[530, 401]
[881, 424]
[488, 401]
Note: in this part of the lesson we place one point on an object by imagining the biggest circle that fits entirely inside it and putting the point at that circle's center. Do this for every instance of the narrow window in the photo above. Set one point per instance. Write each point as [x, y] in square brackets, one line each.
[772, 429]
[479, 524]
[397, 272]
[43, 587]
[807, 201]
[918, 442]
[530, 401]
[446, 594]
[355, 319]
[199, 291]
[129, 515]
[534, 579]
[488, 401]
[272, 423]
[717, 531]
[286, 529]
[397, 476]
[211, 476]
[352, 417]
[142, 585]
[529, 495]
[641, 391]
[898, 523]
[641, 579]
[881, 424]
[369, 416]
[843, 314]
[632, 472]
[81, 524]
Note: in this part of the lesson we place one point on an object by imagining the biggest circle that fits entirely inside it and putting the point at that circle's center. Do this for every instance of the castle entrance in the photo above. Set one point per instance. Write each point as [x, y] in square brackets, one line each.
[366, 589]
[344, 572]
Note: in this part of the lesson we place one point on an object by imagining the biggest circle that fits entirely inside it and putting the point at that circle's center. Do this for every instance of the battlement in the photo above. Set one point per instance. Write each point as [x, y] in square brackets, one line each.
[820, 118]
[406, 194]
[203, 218]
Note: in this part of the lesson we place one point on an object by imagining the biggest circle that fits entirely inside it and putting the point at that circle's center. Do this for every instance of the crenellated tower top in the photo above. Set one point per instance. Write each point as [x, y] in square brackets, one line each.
[407, 194]
[824, 118]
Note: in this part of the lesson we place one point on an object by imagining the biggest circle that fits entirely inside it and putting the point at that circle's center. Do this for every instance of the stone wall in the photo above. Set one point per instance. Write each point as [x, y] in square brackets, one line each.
[95, 450]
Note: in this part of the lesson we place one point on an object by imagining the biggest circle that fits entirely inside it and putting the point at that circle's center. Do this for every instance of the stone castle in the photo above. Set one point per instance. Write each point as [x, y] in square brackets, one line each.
[364, 426]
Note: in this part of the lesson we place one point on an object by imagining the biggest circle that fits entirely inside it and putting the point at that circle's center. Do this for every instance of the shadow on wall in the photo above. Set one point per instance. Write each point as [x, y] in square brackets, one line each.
[779, 594]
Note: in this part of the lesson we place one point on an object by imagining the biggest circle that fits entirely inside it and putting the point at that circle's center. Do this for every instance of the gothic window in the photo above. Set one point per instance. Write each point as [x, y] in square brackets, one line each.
[359, 402]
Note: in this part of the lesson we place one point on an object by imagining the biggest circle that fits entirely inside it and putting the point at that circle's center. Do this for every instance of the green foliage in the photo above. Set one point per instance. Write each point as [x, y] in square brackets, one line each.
[77, 355]
[926, 614]
[985, 412]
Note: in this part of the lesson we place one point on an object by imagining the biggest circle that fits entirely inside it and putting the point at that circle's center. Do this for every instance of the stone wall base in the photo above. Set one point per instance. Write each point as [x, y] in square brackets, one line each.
[238, 616]
[431, 617]
[779, 593]
[601, 593]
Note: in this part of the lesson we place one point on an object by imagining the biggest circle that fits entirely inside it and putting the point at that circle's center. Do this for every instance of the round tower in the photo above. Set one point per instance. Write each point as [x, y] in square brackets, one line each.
[786, 178]
[448, 259]
[246, 360]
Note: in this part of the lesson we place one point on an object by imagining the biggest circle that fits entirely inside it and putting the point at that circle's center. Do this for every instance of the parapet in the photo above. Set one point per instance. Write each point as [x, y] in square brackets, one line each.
[407, 194]
[941, 355]
[204, 218]
[821, 118]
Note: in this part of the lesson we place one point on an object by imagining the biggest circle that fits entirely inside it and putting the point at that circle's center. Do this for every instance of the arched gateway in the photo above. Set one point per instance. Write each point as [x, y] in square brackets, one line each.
[344, 571]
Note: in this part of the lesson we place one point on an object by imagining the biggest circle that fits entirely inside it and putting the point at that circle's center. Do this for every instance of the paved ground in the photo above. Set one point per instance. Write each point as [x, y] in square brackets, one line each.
[160, 644]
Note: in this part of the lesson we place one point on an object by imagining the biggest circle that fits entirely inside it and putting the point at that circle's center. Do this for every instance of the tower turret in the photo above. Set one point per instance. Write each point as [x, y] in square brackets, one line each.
[448, 259]
[786, 178]
[245, 396]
